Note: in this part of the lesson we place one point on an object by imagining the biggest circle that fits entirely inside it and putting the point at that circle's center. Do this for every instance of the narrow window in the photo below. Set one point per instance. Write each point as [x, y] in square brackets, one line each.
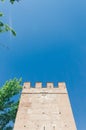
[44, 128]
[53, 127]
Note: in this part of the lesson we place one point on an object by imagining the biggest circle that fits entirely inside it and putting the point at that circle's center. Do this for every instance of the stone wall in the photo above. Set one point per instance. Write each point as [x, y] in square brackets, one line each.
[44, 108]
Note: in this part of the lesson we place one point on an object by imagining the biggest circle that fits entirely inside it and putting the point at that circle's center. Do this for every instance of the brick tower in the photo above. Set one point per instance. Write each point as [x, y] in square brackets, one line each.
[44, 108]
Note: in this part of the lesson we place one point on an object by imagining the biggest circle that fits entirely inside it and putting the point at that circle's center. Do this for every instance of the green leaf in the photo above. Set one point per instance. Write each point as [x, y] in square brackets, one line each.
[2, 0]
[12, 1]
[13, 32]
[6, 28]
[9, 106]
[1, 24]
[1, 14]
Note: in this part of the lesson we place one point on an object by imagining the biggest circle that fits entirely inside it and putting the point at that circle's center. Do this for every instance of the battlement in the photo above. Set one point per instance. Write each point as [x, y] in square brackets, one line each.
[49, 88]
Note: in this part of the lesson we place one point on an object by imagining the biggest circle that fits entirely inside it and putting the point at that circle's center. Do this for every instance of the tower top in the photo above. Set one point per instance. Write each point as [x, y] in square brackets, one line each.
[50, 88]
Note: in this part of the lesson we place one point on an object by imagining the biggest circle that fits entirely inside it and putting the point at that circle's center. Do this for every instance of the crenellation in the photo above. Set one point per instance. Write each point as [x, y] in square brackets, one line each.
[38, 85]
[50, 85]
[50, 88]
[26, 85]
[61, 85]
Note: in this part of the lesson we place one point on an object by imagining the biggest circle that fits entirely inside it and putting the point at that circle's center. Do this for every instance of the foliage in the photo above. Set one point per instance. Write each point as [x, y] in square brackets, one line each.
[5, 27]
[8, 104]
[11, 1]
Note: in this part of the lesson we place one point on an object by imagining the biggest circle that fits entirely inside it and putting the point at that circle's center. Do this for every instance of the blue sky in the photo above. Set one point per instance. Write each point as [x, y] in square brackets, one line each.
[50, 46]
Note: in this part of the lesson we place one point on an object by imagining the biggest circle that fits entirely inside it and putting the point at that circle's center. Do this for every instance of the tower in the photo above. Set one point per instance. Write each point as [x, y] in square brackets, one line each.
[44, 108]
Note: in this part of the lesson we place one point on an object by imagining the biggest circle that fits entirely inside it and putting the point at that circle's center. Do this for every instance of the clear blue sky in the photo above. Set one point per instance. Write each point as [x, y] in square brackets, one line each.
[50, 46]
